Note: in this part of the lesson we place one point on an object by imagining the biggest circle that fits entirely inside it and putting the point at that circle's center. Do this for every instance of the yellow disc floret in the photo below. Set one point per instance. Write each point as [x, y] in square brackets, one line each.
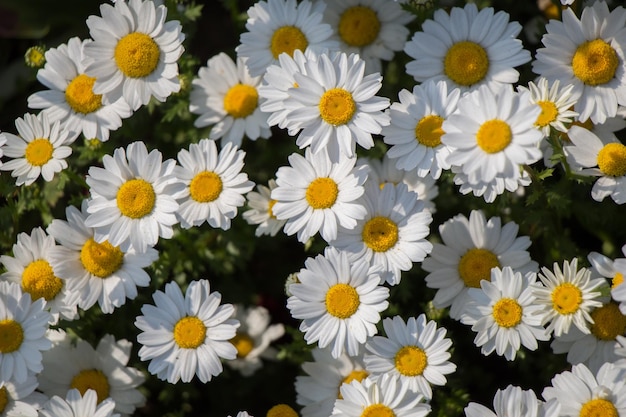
[595, 62]
[136, 198]
[189, 332]
[241, 100]
[612, 160]
[618, 278]
[80, 97]
[281, 410]
[428, 130]
[475, 265]
[549, 113]
[608, 322]
[507, 312]
[493, 136]
[39, 281]
[101, 259]
[92, 379]
[466, 63]
[11, 335]
[38, 152]
[206, 187]
[359, 26]
[287, 39]
[380, 234]
[337, 106]
[243, 343]
[322, 193]
[566, 298]
[4, 399]
[598, 407]
[377, 410]
[342, 301]
[137, 55]
[411, 361]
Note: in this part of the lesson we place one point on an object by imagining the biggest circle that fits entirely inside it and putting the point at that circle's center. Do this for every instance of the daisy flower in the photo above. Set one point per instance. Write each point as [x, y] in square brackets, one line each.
[314, 194]
[373, 29]
[588, 55]
[70, 98]
[103, 370]
[39, 150]
[555, 103]
[214, 184]
[226, 97]
[567, 297]
[30, 266]
[76, 405]
[470, 248]
[393, 233]
[186, 335]
[96, 272]
[489, 190]
[614, 270]
[23, 325]
[504, 315]
[253, 339]
[133, 198]
[339, 301]
[467, 48]
[514, 402]
[21, 399]
[261, 211]
[414, 132]
[415, 353]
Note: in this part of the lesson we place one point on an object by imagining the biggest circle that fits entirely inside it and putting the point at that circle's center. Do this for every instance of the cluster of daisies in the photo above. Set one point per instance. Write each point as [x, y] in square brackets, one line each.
[313, 69]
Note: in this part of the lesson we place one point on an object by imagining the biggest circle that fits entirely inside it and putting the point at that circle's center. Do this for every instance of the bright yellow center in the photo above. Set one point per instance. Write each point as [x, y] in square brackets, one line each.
[243, 343]
[380, 234]
[428, 131]
[609, 322]
[359, 26]
[356, 375]
[595, 62]
[617, 280]
[39, 281]
[378, 410]
[136, 198]
[287, 39]
[342, 301]
[612, 160]
[493, 136]
[270, 206]
[322, 193]
[549, 113]
[189, 332]
[4, 399]
[337, 106]
[411, 361]
[35, 57]
[566, 298]
[11, 335]
[466, 63]
[476, 265]
[101, 259]
[281, 410]
[507, 312]
[598, 408]
[38, 152]
[205, 187]
[241, 100]
[92, 379]
[80, 97]
[137, 55]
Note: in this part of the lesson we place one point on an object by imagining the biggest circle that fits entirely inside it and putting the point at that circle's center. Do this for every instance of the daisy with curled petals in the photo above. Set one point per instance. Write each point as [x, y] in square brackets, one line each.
[392, 234]
[39, 150]
[515, 402]
[214, 184]
[314, 194]
[226, 97]
[134, 52]
[470, 248]
[339, 301]
[186, 335]
[415, 353]
[70, 97]
[504, 315]
[467, 48]
[588, 55]
[21, 399]
[75, 404]
[261, 210]
[23, 325]
[133, 198]
[97, 272]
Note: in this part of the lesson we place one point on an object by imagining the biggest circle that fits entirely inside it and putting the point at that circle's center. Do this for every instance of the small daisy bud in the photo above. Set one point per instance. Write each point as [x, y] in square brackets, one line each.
[35, 56]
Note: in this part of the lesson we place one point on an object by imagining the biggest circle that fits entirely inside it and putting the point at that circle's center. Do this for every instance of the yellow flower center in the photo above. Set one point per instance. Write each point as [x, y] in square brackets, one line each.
[79, 95]
[281, 410]
[428, 131]
[380, 234]
[609, 322]
[35, 57]
[342, 301]
[598, 408]
[378, 410]
[101, 259]
[595, 62]
[476, 265]
[287, 39]
[337, 106]
[612, 160]
[4, 399]
[466, 63]
[205, 187]
[617, 280]
[189, 332]
[241, 100]
[137, 55]
[411, 361]
[11, 336]
[359, 26]
[566, 298]
[507, 312]
[39, 281]
[493, 136]
[322, 193]
[356, 375]
[92, 379]
[136, 198]
[270, 206]
[38, 152]
[549, 113]
[243, 343]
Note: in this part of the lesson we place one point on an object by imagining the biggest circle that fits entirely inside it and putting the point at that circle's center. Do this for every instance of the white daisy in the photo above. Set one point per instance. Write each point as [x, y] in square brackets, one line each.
[97, 272]
[133, 198]
[21, 399]
[415, 128]
[393, 233]
[186, 335]
[514, 402]
[70, 97]
[30, 266]
[103, 369]
[261, 211]
[470, 248]
[76, 405]
[316, 195]
[338, 301]
[40, 149]
[616, 271]
[467, 48]
[489, 190]
[226, 97]
[415, 353]
[589, 54]
[134, 52]
[23, 325]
